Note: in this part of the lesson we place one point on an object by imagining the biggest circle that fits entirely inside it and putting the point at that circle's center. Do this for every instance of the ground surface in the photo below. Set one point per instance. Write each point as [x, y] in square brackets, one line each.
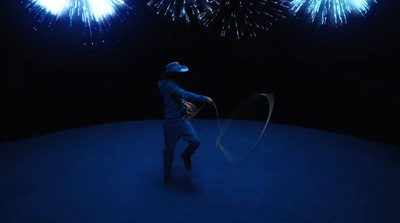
[113, 173]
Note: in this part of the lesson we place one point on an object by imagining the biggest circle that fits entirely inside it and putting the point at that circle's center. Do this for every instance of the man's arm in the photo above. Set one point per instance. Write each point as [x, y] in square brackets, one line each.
[186, 95]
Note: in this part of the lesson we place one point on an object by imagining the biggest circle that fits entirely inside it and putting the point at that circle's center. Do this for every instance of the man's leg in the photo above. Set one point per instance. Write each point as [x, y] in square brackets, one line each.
[171, 137]
[189, 135]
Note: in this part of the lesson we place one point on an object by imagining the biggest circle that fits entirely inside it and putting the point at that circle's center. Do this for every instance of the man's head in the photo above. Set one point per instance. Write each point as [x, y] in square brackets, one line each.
[175, 71]
[176, 67]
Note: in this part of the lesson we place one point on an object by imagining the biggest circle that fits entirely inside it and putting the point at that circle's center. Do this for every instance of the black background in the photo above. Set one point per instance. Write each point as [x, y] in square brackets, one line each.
[341, 79]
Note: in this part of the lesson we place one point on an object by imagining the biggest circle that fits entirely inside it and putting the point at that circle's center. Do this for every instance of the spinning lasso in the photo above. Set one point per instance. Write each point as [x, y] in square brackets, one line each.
[193, 111]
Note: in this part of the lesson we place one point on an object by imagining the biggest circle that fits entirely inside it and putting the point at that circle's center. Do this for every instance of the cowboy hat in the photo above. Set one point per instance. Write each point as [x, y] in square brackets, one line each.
[174, 69]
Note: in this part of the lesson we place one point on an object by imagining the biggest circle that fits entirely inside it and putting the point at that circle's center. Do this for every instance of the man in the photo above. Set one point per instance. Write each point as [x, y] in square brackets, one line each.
[175, 126]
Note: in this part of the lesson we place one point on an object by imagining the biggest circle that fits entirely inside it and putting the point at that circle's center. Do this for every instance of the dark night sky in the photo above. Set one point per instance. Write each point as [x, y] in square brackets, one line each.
[336, 79]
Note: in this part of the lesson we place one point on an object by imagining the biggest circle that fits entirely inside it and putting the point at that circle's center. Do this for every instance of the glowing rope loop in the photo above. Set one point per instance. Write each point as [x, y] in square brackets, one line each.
[232, 158]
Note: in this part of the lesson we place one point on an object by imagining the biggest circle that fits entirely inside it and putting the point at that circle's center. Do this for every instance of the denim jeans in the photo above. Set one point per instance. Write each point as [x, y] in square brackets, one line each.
[173, 131]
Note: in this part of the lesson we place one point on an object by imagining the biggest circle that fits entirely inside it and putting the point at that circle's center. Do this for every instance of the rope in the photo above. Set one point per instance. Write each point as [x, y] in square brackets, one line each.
[232, 158]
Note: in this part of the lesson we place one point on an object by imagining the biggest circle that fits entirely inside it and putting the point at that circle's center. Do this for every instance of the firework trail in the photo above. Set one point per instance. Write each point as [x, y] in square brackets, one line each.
[241, 18]
[94, 14]
[330, 11]
[179, 9]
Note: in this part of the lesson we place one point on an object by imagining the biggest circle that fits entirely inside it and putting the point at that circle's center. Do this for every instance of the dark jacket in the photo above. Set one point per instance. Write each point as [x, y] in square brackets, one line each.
[173, 95]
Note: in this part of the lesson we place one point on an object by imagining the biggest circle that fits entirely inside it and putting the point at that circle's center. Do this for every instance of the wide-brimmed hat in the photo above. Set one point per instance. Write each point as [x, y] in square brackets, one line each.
[174, 69]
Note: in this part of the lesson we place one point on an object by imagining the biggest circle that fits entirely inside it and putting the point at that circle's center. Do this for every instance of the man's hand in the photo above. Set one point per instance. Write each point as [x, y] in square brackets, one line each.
[209, 100]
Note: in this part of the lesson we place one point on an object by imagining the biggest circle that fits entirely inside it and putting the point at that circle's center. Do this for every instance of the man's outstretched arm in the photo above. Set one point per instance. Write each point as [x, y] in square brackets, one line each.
[187, 95]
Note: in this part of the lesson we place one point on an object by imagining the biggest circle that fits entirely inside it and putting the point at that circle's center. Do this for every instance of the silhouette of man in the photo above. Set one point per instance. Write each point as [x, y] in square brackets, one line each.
[175, 126]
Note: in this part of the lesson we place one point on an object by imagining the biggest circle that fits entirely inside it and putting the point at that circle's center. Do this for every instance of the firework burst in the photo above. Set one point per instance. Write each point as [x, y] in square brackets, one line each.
[179, 9]
[330, 11]
[241, 18]
[94, 14]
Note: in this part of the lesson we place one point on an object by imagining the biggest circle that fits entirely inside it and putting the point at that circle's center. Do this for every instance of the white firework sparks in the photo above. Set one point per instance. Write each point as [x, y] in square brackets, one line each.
[93, 13]
[244, 17]
[179, 9]
[330, 11]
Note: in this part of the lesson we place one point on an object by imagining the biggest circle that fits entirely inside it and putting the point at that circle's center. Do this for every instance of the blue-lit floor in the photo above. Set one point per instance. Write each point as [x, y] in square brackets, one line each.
[113, 173]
